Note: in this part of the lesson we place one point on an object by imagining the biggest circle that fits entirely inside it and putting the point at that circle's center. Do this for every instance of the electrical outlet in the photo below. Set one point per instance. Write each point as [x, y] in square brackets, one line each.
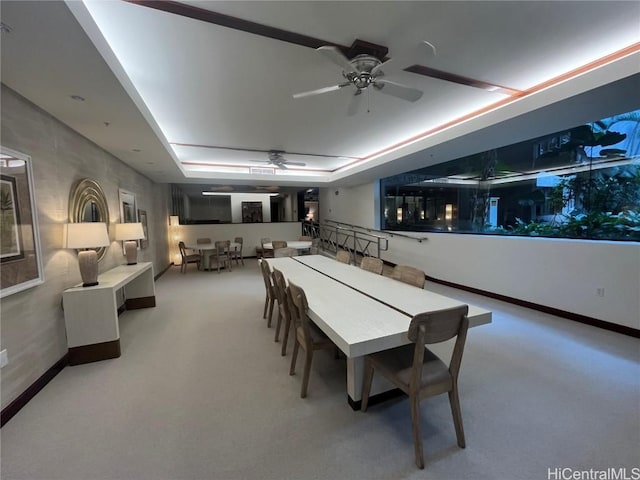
[600, 292]
[4, 358]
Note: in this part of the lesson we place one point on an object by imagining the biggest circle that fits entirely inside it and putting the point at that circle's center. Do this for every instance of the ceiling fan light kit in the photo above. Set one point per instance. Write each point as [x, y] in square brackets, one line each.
[362, 71]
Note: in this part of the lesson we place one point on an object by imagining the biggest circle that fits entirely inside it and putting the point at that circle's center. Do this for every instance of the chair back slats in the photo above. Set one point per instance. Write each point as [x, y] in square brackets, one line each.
[279, 244]
[410, 275]
[372, 264]
[440, 326]
[183, 249]
[280, 287]
[266, 275]
[343, 256]
[299, 309]
[305, 238]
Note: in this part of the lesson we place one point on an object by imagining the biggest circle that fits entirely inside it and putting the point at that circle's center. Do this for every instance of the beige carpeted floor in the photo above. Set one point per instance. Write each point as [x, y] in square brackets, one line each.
[201, 392]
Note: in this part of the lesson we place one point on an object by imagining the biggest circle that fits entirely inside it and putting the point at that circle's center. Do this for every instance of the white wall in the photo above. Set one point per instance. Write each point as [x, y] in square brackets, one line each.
[558, 273]
[33, 330]
[238, 198]
[350, 205]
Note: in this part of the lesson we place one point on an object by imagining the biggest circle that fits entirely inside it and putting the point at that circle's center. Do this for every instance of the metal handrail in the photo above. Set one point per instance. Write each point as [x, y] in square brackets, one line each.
[339, 237]
[386, 232]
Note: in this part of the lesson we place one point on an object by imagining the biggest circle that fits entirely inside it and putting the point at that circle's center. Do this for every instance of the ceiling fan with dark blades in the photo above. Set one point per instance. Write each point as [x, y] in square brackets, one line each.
[363, 71]
[276, 158]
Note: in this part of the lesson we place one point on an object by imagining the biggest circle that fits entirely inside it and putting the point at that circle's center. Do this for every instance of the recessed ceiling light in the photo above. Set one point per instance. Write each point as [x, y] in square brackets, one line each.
[77, 97]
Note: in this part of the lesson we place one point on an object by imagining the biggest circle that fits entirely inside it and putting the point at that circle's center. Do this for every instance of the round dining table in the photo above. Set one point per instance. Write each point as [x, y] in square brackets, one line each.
[297, 244]
[206, 249]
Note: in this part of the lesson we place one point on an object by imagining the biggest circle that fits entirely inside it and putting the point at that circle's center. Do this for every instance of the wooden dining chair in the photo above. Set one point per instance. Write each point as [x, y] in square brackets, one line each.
[221, 255]
[265, 252]
[343, 256]
[284, 318]
[315, 246]
[305, 238]
[285, 252]
[307, 335]
[372, 264]
[420, 373]
[237, 253]
[270, 297]
[407, 274]
[278, 244]
[188, 258]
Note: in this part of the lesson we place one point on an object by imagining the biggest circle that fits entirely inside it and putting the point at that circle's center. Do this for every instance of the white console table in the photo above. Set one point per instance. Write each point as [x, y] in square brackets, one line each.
[91, 313]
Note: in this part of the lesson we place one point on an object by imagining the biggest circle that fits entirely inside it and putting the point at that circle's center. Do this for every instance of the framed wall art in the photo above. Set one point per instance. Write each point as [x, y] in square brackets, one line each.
[128, 210]
[142, 218]
[20, 253]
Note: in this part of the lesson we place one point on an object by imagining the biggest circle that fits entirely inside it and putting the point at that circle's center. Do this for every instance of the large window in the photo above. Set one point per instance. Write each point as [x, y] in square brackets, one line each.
[583, 182]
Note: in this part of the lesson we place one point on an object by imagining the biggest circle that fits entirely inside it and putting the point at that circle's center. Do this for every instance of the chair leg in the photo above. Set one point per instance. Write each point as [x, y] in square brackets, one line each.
[366, 384]
[294, 357]
[306, 374]
[414, 401]
[271, 302]
[266, 305]
[454, 401]
[278, 324]
[287, 327]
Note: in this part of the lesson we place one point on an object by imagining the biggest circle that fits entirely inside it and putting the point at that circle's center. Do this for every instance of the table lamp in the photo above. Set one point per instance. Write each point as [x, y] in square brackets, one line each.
[129, 233]
[87, 235]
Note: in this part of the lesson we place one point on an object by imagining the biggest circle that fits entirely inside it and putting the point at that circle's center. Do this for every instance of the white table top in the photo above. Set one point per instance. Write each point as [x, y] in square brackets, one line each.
[210, 246]
[297, 244]
[116, 277]
[356, 323]
[410, 300]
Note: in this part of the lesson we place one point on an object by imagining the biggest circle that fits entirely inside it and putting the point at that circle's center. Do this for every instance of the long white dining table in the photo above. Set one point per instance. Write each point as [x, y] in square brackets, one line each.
[362, 312]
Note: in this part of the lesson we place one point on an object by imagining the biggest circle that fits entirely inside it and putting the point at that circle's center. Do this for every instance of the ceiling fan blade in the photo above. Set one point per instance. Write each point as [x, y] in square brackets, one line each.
[281, 165]
[321, 90]
[260, 161]
[298, 164]
[355, 103]
[336, 56]
[398, 90]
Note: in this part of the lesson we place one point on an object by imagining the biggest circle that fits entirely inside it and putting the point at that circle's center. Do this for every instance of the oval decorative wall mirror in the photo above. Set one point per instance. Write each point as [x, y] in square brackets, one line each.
[87, 203]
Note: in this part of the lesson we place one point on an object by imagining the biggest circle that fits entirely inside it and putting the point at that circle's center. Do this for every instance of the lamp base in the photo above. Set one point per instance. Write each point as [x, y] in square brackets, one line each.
[131, 251]
[88, 263]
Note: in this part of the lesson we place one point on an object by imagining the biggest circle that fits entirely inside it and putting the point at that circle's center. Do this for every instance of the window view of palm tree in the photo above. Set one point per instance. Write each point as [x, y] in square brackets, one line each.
[583, 182]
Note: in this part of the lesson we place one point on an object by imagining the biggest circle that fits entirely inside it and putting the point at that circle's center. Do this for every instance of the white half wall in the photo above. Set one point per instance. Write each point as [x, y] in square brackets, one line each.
[558, 273]
[251, 234]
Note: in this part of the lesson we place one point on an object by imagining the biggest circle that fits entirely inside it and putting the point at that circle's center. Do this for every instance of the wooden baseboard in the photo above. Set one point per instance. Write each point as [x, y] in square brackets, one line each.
[576, 317]
[14, 407]
[166, 269]
[94, 353]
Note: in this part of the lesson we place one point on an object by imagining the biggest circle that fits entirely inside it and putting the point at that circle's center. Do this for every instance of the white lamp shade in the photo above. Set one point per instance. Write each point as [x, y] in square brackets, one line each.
[129, 231]
[86, 235]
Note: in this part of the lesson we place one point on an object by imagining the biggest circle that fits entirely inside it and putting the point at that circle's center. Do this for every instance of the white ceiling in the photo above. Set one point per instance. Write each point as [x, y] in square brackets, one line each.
[159, 86]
